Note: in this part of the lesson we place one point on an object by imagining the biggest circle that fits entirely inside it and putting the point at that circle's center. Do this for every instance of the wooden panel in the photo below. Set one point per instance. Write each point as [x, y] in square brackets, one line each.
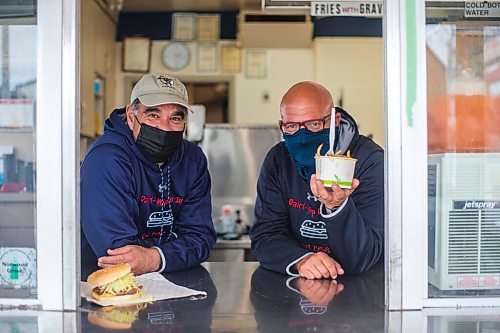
[97, 56]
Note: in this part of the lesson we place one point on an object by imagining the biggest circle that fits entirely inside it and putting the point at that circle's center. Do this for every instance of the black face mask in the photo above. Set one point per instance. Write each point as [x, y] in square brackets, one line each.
[156, 144]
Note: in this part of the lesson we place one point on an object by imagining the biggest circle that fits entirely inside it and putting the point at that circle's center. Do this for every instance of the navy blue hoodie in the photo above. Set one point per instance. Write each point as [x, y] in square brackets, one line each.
[290, 223]
[128, 200]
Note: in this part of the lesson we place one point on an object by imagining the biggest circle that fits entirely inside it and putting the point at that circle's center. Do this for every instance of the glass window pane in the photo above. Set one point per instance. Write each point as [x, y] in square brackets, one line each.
[18, 45]
[465, 323]
[463, 110]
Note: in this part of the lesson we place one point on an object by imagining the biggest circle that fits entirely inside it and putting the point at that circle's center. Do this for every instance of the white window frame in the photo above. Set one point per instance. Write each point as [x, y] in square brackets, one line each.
[57, 156]
[47, 321]
[406, 265]
[418, 321]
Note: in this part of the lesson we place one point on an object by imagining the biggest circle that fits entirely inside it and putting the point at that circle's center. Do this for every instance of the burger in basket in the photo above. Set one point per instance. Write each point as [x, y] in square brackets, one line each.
[114, 283]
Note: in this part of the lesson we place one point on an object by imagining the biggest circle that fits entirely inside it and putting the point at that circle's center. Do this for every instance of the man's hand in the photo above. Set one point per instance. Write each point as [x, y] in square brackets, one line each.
[318, 266]
[141, 259]
[331, 198]
[319, 292]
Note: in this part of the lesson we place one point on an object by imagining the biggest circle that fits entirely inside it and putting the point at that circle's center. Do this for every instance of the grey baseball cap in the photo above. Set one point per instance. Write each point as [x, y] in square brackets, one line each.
[157, 89]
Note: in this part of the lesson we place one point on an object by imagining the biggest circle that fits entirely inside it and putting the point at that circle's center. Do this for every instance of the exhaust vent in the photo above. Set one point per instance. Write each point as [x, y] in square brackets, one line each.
[274, 18]
[473, 242]
[257, 29]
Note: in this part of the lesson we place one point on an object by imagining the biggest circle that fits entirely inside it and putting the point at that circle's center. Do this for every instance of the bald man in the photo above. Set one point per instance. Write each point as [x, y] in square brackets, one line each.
[302, 228]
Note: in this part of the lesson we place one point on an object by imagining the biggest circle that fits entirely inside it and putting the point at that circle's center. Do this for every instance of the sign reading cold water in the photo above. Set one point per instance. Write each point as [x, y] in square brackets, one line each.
[347, 8]
[482, 9]
[17, 267]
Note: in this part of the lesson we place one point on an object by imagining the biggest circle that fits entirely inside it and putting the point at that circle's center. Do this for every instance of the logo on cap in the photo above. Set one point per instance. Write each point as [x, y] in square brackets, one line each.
[165, 82]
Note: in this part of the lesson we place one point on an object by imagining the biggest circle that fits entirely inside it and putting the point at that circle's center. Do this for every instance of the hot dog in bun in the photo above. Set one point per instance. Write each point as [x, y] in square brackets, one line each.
[115, 282]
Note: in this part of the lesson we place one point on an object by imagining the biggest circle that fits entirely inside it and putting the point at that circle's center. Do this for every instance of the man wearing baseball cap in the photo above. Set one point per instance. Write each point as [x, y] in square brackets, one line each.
[145, 191]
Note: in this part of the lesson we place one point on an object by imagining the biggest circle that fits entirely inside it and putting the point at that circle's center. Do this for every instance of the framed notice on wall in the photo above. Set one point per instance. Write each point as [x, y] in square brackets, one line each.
[231, 59]
[208, 28]
[183, 26]
[207, 58]
[256, 64]
[136, 54]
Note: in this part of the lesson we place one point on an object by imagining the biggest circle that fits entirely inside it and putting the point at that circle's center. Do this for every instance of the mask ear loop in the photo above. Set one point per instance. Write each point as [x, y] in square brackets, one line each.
[140, 124]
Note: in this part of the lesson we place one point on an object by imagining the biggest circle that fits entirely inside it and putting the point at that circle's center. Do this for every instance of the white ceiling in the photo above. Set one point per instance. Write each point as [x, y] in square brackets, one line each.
[188, 5]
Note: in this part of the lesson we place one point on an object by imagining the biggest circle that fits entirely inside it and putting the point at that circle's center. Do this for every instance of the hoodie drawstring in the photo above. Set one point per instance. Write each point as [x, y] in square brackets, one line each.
[169, 218]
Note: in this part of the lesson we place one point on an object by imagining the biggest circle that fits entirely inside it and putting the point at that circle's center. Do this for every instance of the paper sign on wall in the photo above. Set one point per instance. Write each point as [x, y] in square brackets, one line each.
[482, 9]
[17, 113]
[347, 8]
[18, 267]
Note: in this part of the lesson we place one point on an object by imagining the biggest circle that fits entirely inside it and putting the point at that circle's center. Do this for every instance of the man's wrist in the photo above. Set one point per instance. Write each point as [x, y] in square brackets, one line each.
[298, 264]
[291, 266]
[155, 260]
[329, 210]
[161, 260]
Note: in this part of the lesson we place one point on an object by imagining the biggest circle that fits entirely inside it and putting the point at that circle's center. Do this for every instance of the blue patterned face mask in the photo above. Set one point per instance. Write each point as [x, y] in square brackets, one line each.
[303, 145]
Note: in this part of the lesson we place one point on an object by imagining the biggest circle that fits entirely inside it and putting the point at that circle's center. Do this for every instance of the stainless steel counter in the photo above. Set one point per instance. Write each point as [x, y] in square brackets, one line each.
[242, 243]
[232, 250]
[245, 298]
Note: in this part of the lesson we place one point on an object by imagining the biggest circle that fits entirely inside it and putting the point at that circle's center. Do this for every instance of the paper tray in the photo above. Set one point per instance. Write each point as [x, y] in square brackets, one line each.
[154, 287]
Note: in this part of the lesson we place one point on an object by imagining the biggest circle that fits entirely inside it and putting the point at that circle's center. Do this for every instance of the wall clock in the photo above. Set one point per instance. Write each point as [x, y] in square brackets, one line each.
[176, 56]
